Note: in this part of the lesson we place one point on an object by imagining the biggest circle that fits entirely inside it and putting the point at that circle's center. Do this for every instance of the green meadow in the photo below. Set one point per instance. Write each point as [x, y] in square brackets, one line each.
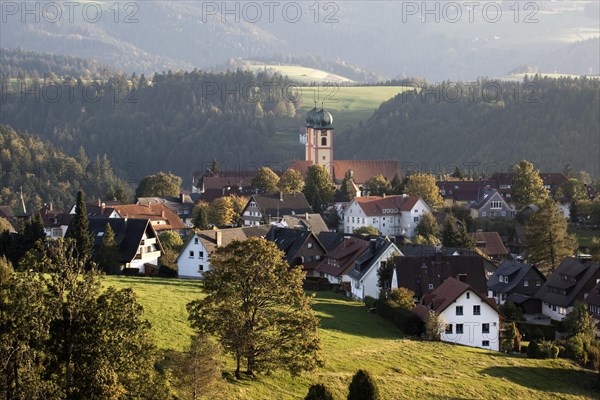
[353, 338]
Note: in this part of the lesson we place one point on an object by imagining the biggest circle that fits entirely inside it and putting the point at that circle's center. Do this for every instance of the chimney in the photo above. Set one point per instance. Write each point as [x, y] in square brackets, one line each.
[99, 202]
[373, 246]
[50, 206]
[384, 195]
[219, 238]
[162, 214]
[306, 216]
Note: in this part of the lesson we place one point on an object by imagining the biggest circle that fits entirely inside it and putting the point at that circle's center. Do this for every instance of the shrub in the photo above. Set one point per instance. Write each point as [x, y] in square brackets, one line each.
[319, 392]
[131, 271]
[167, 272]
[543, 349]
[524, 348]
[370, 302]
[363, 387]
[533, 350]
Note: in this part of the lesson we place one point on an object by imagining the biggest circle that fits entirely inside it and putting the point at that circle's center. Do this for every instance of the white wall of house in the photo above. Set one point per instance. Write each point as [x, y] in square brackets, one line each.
[473, 326]
[367, 285]
[555, 312]
[56, 232]
[392, 222]
[193, 259]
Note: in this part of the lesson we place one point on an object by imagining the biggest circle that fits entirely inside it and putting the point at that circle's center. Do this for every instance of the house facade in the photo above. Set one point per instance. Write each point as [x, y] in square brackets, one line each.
[364, 275]
[390, 215]
[571, 282]
[513, 277]
[593, 303]
[267, 208]
[337, 263]
[491, 205]
[470, 318]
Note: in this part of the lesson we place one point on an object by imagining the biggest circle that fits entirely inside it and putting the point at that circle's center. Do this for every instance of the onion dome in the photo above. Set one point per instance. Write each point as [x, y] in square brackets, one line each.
[323, 119]
[310, 117]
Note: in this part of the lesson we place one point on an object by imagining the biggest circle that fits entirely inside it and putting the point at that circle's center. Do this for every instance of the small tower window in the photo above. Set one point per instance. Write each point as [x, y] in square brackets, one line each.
[324, 141]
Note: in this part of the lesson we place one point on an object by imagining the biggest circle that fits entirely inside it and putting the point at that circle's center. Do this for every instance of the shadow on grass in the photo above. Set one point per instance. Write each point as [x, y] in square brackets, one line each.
[547, 379]
[340, 313]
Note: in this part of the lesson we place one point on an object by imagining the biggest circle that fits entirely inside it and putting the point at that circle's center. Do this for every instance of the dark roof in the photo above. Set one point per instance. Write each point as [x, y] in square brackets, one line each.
[489, 243]
[579, 274]
[182, 202]
[312, 222]
[290, 241]
[339, 261]
[373, 205]
[209, 237]
[330, 240]
[594, 296]
[515, 271]
[418, 272]
[485, 196]
[282, 204]
[128, 233]
[53, 218]
[365, 261]
[467, 191]
[447, 293]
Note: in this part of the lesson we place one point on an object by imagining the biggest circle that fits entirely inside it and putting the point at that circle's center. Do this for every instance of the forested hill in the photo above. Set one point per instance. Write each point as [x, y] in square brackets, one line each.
[550, 122]
[17, 62]
[48, 175]
[177, 122]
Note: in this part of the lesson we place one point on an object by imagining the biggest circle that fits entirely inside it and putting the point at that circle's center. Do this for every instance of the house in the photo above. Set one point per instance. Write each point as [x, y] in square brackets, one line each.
[470, 318]
[364, 275]
[266, 208]
[136, 239]
[337, 263]
[463, 193]
[516, 240]
[514, 277]
[491, 205]
[571, 282]
[423, 274]
[55, 222]
[490, 244]
[160, 216]
[390, 215]
[194, 259]
[505, 182]
[210, 185]
[301, 247]
[524, 215]
[593, 303]
[310, 222]
[181, 205]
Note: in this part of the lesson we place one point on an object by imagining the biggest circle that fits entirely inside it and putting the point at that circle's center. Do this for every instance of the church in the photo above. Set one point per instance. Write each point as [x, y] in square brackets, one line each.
[318, 142]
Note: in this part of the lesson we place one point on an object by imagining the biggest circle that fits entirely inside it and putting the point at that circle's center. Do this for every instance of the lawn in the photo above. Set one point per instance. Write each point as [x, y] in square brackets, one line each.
[585, 236]
[352, 338]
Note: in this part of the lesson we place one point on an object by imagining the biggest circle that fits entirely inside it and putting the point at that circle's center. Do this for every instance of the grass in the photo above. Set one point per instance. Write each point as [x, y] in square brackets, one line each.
[353, 338]
[585, 236]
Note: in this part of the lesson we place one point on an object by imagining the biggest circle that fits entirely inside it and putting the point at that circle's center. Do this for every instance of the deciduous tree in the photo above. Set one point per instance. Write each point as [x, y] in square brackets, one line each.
[318, 188]
[429, 230]
[265, 180]
[367, 230]
[200, 216]
[256, 307]
[291, 181]
[377, 186]
[423, 186]
[528, 187]
[159, 185]
[319, 391]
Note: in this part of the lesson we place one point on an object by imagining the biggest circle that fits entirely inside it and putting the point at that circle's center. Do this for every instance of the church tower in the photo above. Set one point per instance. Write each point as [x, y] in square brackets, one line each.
[318, 138]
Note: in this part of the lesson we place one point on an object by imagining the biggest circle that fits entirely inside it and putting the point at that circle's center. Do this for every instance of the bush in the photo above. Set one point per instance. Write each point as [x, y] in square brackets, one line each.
[319, 392]
[131, 271]
[544, 349]
[370, 302]
[536, 332]
[404, 320]
[362, 387]
[533, 350]
[524, 348]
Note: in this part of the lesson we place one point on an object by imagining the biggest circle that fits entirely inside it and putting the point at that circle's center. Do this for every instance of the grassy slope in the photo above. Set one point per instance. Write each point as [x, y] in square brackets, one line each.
[352, 339]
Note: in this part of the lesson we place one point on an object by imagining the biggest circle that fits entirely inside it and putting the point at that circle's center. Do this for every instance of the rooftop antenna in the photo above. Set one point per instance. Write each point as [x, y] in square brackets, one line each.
[23, 202]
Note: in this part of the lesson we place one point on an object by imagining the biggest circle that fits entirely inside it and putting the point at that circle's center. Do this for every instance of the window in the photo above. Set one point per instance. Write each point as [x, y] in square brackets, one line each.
[323, 141]
[200, 268]
[430, 286]
[374, 220]
[500, 278]
[200, 254]
[309, 245]
[506, 279]
[363, 221]
[416, 219]
[485, 328]
[538, 283]
[485, 343]
[468, 295]
[252, 204]
[526, 283]
[476, 310]
[459, 328]
[448, 328]
[352, 219]
[483, 214]
[191, 254]
[195, 240]
[459, 310]
[496, 204]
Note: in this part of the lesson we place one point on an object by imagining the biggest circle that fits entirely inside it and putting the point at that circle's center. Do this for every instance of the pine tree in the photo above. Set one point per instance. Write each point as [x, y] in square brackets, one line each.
[363, 387]
[200, 219]
[454, 234]
[347, 187]
[109, 257]
[548, 242]
[428, 229]
[397, 184]
[79, 229]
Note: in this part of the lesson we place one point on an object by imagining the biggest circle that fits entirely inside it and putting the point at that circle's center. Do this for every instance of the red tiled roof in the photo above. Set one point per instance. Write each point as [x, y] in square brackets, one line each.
[344, 254]
[464, 190]
[362, 170]
[153, 212]
[489, 243]
[373, 205]
[448, 292]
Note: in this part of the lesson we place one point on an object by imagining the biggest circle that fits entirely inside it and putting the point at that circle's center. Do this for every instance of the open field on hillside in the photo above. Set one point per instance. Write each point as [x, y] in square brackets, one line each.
[298, 73]
[352, 338]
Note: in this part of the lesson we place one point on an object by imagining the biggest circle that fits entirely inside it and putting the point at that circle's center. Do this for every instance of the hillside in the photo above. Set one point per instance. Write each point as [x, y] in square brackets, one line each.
[352, 338]
[46, 174]
[550, 122]
[147, 37]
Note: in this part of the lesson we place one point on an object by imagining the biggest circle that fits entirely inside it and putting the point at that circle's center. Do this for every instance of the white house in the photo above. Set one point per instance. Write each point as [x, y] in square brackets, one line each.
[471, 319]
[194, 259]
[391, 215]
[363, 278]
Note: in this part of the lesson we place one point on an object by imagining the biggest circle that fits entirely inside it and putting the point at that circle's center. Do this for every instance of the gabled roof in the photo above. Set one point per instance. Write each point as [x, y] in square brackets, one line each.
[374, 205]
[447, 293]
[486, 196]
[579, 274]
[489, 243]
[330, 240]
[366, 260]
[339, 261]
[128, 233]
[467, 191]
[362, 170]
[312, 222]
[53, 218]
[281, 204]
[209, 237]
[153, 212]
[418, 272]
[174, 203]
[515, 271]
[290, 241]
